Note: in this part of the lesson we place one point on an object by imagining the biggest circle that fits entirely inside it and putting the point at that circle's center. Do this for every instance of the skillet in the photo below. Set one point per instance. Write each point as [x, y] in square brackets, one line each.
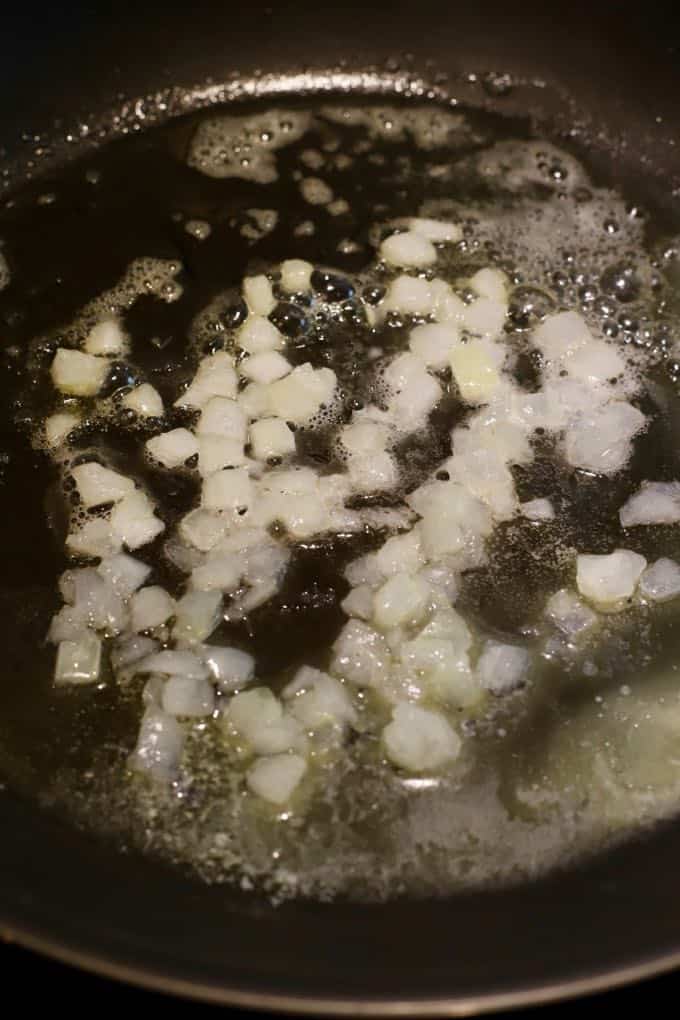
[69, 894]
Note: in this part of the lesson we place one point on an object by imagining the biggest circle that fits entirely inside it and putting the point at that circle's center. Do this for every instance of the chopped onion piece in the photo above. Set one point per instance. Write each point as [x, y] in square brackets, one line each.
[433, 343]
[596, 364]
[107, 337]
[296, 275]
[445, 668]
[475, 371]
[159, 745]
[400, 553]
[78, 662]
[150, 607]
[215, 377]
[491, 284]
[303, 515]
[660, 582]
[288, 482]
[601, 441]
[489, 429]
[570, 614]
[359, 602]
[129, 650]
[145, 401]
[188, 696]
[485, 317]
[503, 668]
[230, 668]
[452, 518]
[486, 476]
[222, 416]
[318, 700]
[276, 777]
[419, 740]
[436, 231]
[265, 368]
[300, 394]
[402, 599]
[202, 528]
[258, 334]
[361, 655]
[315, 191]
[174, 663]
[409, 250]
[561, 335]
[94, 538]
[376, 472]
[81, 375]
[101, 607]
[415, 391]
[609, 581]
[442, 576]
[69, 624]
[538, 510]
[254, 400]
[271, 437]
[97, 485]
[257, 291]
[229, 489]
[256, 596]
[446, 306]
[152, 692]
[198, 614]
[174, 448]
[408, 295]
[447, 623]
[218, 573]
[58, 427]
[217, 452]
[258, 716]
[133, 521]
[364, 436]
[653, 503]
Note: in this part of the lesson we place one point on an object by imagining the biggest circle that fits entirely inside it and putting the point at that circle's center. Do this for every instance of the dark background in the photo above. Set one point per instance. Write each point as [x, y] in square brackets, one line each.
[25, 974]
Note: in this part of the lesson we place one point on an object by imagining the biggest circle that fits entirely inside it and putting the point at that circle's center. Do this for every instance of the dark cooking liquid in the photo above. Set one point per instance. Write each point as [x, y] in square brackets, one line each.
[132, 199]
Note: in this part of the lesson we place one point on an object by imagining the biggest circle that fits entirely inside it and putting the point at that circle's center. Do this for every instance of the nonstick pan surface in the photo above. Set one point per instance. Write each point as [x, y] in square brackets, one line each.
[70, 894]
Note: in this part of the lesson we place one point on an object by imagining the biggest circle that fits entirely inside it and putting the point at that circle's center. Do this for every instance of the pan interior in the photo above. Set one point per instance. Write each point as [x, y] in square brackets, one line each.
[533, 803]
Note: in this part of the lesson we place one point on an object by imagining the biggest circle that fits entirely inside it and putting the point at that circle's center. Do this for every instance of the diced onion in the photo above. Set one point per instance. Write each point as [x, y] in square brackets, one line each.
[271, 437]
[145, 401]
[124, 573]
[97, 485]
[150, 607]
[174, 663]
[187, 696]
[58, 426]
[503, 668]
[275, 778]
[609, 581]
[409, 250]
[159, 745]
[79, 662]
[231, 668]
[197, 615]
[419, 740]
[107, 337]
[133, 521]
[81, 375]
[171, 449]
[653, 503]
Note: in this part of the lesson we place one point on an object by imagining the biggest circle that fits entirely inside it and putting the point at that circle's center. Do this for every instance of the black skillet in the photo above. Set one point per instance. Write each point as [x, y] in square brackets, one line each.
[67, 894]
